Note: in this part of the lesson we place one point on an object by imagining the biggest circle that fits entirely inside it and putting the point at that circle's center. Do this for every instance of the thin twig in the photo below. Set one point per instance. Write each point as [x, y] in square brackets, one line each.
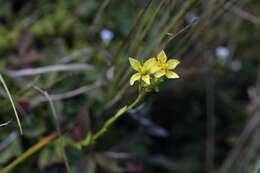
[75, 55]
[12, 102]
[5, 124]
[118, 155]
[173, 36]
[66, 95]
[226, 6]
[48, 69]
[56, 121]
[245, 15]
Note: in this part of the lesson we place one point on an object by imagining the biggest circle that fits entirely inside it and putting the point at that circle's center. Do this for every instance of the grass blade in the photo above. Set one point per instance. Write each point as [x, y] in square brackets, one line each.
[43, 142]
[12, 102]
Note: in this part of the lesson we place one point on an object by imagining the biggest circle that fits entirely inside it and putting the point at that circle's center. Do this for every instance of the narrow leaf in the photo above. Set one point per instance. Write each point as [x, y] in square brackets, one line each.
[12, 102]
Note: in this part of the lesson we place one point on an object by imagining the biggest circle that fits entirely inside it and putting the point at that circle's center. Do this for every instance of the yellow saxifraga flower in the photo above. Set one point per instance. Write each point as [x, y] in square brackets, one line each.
[143, 71]
[166, 66]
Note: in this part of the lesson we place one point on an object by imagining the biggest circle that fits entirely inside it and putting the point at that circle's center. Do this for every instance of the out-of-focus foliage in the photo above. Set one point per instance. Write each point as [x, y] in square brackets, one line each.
[191, 123]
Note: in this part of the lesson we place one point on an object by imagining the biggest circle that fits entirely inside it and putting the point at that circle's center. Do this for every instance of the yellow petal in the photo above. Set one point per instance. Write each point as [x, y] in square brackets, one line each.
[162, 57]
[146, 79]
[135, 77]
[171, 75]
[154, 69]
[159, 74]
[171, 64]
[135, 64]
[148, 64]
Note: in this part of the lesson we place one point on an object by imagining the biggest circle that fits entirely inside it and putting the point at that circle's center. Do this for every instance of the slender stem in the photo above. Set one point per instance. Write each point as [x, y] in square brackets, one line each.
[30, 151]
[120, 112]
[12, 102]
[57, 124]
[139, 97]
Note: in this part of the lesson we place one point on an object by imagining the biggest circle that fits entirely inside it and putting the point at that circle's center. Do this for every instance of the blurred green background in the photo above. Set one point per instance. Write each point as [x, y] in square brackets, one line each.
[206, 121]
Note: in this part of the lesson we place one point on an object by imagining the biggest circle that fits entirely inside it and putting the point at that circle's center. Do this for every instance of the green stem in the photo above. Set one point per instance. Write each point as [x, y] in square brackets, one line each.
[120, 112]
[30, 151]
[12, 102]
[91, 139]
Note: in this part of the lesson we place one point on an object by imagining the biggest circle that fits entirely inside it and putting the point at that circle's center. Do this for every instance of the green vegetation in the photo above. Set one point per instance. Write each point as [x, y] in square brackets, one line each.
[66, 65]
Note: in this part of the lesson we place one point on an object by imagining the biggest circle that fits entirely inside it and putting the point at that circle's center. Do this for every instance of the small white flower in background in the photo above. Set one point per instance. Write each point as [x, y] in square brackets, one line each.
[106, 35]
[190, 17]
[222, 52]
[236, 65]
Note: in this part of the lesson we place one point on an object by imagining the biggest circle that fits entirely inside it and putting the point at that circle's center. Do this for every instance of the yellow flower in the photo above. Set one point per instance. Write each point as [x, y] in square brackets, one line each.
[166, 66]
[143, 71]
